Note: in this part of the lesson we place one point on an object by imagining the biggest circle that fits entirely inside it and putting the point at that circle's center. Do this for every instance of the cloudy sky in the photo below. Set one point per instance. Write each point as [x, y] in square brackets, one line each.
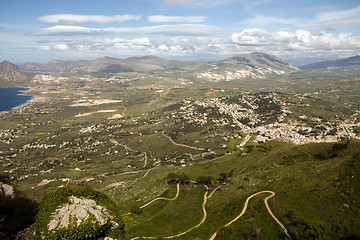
[42, 30]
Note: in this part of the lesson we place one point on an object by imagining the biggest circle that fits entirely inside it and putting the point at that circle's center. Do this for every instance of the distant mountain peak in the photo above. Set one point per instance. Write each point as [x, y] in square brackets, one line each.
[10, 74]
[346, 62]
[251, 65]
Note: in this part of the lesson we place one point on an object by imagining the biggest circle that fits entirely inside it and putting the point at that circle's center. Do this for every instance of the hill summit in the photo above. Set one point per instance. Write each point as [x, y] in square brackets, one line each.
[252, 65]
[11, 75]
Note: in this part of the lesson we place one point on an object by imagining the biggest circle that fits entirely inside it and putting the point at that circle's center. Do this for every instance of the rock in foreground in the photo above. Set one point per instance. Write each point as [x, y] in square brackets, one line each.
[77, 214]
[80, 210]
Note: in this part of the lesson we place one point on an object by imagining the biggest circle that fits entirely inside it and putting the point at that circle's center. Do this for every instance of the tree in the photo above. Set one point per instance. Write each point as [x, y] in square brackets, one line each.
[135, 208]
[207, 180]
[181, 178]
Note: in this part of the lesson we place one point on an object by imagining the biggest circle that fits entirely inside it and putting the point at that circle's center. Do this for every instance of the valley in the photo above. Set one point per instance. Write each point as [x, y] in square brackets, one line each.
[161, 135]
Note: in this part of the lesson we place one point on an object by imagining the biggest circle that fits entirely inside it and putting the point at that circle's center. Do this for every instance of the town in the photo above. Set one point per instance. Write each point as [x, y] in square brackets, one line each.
[126, 124]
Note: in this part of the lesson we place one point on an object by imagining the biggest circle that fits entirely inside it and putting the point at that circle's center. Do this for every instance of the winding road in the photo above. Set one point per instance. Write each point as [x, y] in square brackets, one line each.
[266, 201]
[162, 198]
[206, 197]
[159, 198]
[182, 145]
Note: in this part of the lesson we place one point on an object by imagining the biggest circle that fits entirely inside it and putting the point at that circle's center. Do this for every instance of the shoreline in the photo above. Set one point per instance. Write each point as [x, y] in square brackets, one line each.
[23, 92]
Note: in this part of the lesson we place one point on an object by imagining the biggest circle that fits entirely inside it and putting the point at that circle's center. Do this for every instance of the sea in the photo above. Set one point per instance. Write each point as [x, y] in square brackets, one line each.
[10, 98]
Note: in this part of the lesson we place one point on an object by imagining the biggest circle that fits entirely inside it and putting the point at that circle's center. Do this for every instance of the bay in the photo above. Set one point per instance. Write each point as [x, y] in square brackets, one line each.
[10, 98]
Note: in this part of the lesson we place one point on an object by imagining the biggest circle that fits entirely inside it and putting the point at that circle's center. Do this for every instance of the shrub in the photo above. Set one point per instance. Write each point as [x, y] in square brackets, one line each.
[88, 229]
[135, 208]
[181, 178]
[207, 180]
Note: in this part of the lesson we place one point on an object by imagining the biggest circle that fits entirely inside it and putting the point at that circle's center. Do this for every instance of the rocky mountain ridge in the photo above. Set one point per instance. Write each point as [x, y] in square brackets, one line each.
[253, 65]
[11, 74]
[110, 65]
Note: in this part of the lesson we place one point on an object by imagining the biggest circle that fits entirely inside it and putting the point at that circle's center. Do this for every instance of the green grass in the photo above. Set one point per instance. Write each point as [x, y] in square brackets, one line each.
[306, 195]
[8, 124]
[169, 218]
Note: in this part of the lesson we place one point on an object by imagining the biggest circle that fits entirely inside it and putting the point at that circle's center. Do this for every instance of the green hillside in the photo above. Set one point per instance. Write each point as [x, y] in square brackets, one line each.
[316, 197]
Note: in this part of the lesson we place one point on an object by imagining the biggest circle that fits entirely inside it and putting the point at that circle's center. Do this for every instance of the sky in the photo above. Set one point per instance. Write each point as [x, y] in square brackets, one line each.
[308, 30]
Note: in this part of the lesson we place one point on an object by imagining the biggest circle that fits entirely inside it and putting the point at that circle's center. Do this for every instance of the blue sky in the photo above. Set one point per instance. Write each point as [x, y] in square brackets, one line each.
[42, 30]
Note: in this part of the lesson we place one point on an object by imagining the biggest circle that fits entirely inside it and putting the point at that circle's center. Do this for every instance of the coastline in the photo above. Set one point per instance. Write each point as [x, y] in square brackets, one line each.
[23, 91]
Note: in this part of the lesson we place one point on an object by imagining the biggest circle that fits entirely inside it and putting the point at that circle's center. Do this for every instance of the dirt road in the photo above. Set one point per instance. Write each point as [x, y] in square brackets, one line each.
[267, 207]
[206, 197]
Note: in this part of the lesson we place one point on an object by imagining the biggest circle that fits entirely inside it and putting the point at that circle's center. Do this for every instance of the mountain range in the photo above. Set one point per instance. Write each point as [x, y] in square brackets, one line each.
[110, 65]
[253, 65]
[347, 62]
[154, 64]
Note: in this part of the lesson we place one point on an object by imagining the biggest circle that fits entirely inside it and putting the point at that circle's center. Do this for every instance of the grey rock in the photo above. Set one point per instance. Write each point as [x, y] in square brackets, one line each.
[7, 190]
[80, 209]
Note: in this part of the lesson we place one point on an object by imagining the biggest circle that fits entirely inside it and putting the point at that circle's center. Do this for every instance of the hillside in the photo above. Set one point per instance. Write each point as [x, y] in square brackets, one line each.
[261, 60]
[347, 62]
[12, 75]
[253, 65]
[55, 66]
[312, 190]
[315, 196]
[109, 65]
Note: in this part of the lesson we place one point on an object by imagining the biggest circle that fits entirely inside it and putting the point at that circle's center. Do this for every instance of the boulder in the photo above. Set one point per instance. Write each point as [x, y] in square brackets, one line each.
[7, 190]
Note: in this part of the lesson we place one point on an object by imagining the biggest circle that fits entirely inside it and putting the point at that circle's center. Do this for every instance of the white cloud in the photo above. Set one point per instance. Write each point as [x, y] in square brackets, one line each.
[61, 47]
[163, 48]
[348, 17]
[181, 29]
[299, 42]
[174, 46]
[261, 20]
[284, 44]
[56, 47]
[72, 19]
[177, 19]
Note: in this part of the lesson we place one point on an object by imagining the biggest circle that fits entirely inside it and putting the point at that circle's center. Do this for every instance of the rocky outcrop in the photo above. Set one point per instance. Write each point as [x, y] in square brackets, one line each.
[7, 190]
[77, 213]
[79, 210]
